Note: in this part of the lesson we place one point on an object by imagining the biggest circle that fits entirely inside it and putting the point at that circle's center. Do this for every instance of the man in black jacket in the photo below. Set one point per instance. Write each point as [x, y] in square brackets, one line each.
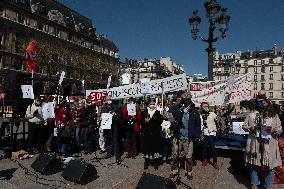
[187, 127]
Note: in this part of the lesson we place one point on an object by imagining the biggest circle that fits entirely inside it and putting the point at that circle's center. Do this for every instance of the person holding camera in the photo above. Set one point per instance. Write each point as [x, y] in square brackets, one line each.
[36, 121]
[187, 127]
[152, 143]
[262, 150]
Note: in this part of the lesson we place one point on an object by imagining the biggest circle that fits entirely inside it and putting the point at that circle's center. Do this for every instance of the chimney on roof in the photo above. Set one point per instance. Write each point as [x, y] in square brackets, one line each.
[250, 53]
[274, 49]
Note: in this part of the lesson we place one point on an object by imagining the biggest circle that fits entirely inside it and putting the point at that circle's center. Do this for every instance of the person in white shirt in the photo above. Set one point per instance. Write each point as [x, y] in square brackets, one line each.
[208, 127]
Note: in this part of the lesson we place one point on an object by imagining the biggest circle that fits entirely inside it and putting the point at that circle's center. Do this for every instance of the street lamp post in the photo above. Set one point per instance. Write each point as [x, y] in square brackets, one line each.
[215, 14]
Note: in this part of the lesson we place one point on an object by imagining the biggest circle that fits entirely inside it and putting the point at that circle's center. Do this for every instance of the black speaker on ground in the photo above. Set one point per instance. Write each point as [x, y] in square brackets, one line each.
[79, 172]
[148, 180]
[47, 164]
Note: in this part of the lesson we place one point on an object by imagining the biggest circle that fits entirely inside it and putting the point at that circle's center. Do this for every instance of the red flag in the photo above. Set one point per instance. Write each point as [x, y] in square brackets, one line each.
[30, 57]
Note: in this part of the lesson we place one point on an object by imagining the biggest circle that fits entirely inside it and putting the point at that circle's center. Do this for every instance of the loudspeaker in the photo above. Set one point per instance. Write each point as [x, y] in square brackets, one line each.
[47, 164]
[79, 172]
[148, 180]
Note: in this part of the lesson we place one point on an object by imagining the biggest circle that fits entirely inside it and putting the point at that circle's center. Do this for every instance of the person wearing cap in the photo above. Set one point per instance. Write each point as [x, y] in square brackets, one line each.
[209, 129]
[35, 117]
[131, 123]
[152, 142]
[187, 127]
[262, 150]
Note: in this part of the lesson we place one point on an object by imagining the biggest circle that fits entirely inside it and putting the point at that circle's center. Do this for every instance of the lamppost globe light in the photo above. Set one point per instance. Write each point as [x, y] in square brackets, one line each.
[194, 22]
[215, 17]
[212, 8]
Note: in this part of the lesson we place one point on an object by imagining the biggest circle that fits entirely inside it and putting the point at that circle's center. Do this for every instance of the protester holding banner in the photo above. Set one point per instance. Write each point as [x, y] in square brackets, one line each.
[188, 128]
[34, 114]
[262, 150]
[209, 129]
[151, 125]
[132, 116]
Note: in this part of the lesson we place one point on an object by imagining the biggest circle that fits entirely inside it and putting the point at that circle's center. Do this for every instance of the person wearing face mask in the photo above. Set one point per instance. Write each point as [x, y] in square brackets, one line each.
[110, 135]
[209, 129]
[262, 150]
[131, 124]
[186, 128]
[35, 117]
[151, 125]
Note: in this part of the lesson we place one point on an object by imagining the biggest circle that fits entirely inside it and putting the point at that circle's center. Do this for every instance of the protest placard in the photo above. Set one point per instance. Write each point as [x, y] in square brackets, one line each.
[131, 109]
[221, 91]
[48, 110]
[169, 84]
[106, 121]
[27, 91]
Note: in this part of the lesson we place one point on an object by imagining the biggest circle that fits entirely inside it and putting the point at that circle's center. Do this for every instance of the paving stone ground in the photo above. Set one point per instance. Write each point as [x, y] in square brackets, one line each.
[124, 176]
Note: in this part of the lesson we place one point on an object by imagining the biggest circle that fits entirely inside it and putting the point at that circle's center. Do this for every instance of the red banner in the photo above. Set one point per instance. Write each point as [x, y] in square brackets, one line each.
[30, 57]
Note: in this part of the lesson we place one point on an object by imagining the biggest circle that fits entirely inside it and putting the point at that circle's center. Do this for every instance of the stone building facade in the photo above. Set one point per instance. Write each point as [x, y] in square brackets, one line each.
[266, 67]
[152, 68]
[66, 41]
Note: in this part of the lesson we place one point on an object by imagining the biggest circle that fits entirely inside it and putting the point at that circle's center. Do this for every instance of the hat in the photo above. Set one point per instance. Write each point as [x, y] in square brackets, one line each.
[186, 95]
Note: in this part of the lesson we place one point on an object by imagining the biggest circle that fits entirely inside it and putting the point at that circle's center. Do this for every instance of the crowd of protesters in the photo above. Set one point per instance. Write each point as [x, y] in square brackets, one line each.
[159, 130]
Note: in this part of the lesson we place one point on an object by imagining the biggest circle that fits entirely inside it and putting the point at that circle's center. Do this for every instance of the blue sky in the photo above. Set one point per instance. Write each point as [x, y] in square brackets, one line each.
[155, 28]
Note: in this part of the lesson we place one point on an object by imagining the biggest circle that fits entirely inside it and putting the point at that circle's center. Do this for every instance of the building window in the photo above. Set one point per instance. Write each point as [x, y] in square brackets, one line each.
[39, 26]
[262, 78]
[21, 17]
[262, 62]
[263, 69]
[282, 77]
[270, 60]
[271, 76]
[270, 86]
[255, 77]
[226, 67]
[282, 68]
[282, 94]
[270, 94]
[271, 68]
[255, 86]
[255, 69]
[255, 62]
[263, 86]
[246, 69]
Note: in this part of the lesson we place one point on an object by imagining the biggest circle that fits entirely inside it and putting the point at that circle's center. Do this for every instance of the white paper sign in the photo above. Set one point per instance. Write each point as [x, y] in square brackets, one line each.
[55, 131]
[131, 108]
[266, 134]
[126, 78]
[219, 92]
[145, 84]
[238, 128]
[106, 121]
[48, 110]
[27, 91]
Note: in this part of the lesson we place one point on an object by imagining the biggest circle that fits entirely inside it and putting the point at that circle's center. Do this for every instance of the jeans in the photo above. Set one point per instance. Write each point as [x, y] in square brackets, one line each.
[268, 176]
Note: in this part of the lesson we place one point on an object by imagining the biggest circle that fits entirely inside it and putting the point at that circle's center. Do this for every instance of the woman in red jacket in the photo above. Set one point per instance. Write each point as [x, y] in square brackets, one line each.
[132, 116]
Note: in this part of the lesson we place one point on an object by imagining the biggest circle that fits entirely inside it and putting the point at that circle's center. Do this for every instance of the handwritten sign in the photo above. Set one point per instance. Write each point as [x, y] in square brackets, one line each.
[106, 121]
[131, 108]
[222, 91]
[169, 84]
[27, 91]
[48, 110]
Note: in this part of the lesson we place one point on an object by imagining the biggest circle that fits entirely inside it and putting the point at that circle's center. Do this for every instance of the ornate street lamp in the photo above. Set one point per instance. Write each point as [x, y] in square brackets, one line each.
[215, 14]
